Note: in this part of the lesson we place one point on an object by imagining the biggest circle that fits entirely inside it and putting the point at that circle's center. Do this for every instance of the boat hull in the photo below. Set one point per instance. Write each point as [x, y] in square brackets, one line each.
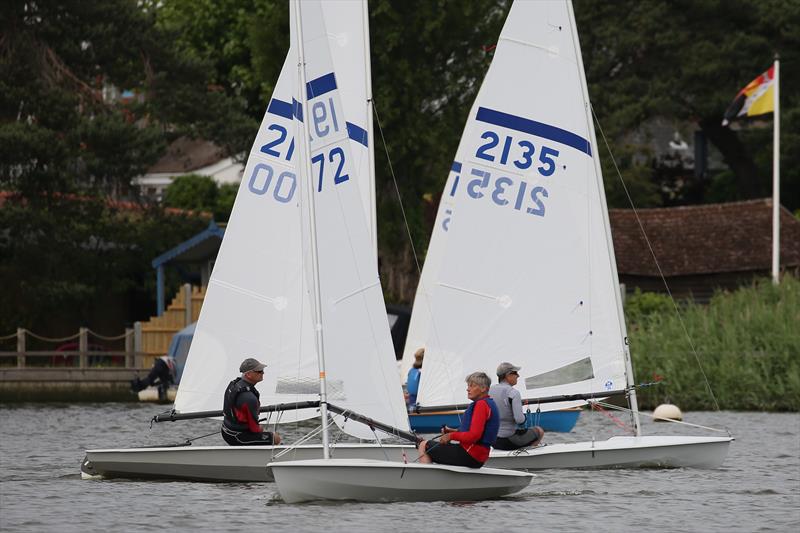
[619, 452]
[220, 463]
[559, 421]
[384, 481]
[249, 463]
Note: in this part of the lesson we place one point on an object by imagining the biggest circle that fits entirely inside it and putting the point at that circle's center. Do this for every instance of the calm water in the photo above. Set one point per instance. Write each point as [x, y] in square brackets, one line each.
[41, 447]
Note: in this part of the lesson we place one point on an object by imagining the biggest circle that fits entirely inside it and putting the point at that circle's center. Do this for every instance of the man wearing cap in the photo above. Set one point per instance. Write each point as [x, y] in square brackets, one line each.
[512, 435]
[241, 406]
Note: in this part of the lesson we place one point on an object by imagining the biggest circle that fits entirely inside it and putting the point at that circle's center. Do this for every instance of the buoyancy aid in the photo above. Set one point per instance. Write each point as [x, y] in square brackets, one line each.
[235, 388]
[492, 426]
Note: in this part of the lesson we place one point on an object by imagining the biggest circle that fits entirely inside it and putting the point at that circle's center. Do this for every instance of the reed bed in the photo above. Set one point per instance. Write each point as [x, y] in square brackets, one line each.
[747, 343]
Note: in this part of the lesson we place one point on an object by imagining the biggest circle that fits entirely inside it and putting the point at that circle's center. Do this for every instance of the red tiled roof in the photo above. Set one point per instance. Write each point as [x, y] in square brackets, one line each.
[703, 239]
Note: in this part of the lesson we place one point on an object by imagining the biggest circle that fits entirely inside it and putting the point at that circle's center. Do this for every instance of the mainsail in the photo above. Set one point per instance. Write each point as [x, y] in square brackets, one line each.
[258, 302]
[522, 268]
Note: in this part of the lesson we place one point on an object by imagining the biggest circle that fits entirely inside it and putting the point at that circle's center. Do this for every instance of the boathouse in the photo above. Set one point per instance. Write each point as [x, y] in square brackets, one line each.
[701, 248]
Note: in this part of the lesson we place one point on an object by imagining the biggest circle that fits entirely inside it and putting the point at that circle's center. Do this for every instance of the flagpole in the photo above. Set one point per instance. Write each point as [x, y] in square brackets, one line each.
[776, 189]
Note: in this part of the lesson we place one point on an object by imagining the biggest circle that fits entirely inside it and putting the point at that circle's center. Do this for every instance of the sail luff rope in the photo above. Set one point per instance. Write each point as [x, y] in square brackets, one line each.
[655, 260]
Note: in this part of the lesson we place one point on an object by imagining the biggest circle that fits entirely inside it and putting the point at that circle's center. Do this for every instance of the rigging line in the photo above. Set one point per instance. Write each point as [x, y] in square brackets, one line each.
[311, 434]
[434, 329]
[396, 188]
[653, 254]
[612, 406]
[189, 441]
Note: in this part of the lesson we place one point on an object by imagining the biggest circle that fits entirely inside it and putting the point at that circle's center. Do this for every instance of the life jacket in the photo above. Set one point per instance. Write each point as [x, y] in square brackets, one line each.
[492, 425]
[235, 388]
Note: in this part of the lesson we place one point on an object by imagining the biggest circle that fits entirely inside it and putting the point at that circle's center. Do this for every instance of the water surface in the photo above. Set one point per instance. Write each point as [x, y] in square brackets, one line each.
[41, 447]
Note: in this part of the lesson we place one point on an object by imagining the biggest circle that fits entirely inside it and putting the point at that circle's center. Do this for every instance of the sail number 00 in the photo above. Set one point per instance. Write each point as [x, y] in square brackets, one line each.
[261, 179]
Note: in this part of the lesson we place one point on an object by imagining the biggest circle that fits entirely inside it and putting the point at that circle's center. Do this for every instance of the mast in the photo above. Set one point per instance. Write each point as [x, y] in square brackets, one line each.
[372, 214]
[305, 156]
[630, 381]
[776, 175]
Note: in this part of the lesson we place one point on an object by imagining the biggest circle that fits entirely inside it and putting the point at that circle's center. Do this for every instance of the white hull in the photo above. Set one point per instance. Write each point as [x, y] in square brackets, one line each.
[150, 394]
[248, 463]
[619, 452]
[379, 481]
[220, 463]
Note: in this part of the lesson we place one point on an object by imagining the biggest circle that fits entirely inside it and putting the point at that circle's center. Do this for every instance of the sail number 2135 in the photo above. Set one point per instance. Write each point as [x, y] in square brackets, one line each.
[517, 152]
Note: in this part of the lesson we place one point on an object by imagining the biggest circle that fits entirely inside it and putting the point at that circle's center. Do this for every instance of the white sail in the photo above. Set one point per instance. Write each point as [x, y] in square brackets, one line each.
[524, 273]
[257, 303]
[421, 325]
[347, 30]
[358, 354]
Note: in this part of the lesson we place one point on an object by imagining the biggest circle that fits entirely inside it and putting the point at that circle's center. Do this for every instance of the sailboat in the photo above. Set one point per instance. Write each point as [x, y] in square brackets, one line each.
[347, 296]
[521, 264]
[257, 303]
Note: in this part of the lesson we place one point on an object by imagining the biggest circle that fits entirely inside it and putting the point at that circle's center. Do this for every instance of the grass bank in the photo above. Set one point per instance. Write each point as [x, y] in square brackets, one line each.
[747, 343]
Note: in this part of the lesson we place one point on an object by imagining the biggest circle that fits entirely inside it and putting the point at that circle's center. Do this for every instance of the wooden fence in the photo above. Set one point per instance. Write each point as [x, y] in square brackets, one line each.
[139, 345]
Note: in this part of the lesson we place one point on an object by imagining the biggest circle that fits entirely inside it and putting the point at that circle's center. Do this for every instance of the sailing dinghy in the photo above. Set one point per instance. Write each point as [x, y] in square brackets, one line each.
[348, 309]
[258, 302]
[521, 265]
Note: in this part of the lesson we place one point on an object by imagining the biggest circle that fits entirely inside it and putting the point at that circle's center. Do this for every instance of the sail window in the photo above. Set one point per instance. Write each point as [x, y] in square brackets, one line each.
[580, 370]
[334, 387]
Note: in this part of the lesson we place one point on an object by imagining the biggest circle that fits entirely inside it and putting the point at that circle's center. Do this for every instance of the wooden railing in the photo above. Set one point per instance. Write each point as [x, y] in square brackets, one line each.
[72, 354]
[141, 344]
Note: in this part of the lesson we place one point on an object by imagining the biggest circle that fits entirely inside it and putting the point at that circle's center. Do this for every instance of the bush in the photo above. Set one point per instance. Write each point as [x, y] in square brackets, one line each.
[744, 346]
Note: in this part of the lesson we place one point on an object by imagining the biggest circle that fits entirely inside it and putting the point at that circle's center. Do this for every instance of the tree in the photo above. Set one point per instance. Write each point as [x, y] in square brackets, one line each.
[686, 60]
[62, 127]
[81, 259]
[90, 95]
[192, 192]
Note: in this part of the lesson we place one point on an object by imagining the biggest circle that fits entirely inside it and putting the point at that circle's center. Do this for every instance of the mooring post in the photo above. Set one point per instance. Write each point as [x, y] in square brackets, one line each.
[20, 347]
[83, 347]
[129, 351]
[137, 344]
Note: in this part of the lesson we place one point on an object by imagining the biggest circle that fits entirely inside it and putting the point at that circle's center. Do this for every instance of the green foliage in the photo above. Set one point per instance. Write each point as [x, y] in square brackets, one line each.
[192, 192]
[60, 133]
[201, 193]
[685, 60]
[70, 258]
[642, 306]
[747, 344]
[226, 195]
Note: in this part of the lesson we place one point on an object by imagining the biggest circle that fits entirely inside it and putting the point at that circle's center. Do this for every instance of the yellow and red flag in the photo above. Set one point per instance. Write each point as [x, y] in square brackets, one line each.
[757, 98]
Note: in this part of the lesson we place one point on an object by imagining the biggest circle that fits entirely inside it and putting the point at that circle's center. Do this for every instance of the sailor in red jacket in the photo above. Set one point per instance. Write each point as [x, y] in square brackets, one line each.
[477, 433]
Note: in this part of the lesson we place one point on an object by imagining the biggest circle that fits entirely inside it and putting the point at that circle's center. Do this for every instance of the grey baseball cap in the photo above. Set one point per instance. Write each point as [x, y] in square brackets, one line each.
[250, 364]
[505, 368]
